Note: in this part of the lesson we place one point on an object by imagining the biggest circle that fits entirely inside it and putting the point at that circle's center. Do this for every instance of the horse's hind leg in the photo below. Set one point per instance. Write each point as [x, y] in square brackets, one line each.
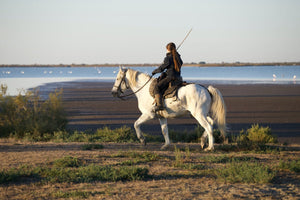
[210, 120]
[142, 119]
[208, 131]
[203, 139]
[165, 132]
[204, 135]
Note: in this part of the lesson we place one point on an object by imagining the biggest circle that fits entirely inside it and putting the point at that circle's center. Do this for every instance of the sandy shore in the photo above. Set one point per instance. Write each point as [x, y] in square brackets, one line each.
[90, 105]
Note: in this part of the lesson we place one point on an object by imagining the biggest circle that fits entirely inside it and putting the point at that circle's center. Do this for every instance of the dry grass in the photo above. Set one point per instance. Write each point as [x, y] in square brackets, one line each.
[186, 173]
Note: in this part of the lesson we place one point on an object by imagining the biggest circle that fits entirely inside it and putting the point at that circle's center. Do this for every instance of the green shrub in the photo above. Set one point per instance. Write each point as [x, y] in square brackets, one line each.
[260, 135]
[67, 161]
[60, 136]
[186, 136]
[79, 137]
[293, 165]
[16, 174]
[255, 138]
[123, 134]
[194, 136]
[28, 115]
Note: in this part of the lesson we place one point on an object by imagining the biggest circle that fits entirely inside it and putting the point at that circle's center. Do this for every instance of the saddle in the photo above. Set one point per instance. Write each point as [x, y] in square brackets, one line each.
[171, 91]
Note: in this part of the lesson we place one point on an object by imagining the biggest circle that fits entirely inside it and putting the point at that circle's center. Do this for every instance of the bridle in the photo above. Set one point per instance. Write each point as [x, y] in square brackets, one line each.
[127, 87]
[119, 89]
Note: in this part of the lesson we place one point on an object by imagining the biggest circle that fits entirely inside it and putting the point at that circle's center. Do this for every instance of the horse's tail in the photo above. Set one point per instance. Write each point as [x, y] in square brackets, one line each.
[218, 109]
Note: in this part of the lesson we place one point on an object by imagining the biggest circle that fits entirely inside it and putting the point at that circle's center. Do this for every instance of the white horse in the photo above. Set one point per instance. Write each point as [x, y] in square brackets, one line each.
[194, 99]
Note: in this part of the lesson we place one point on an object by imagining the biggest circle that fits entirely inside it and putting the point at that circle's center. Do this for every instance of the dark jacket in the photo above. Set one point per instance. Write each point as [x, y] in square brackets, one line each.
[168, 65]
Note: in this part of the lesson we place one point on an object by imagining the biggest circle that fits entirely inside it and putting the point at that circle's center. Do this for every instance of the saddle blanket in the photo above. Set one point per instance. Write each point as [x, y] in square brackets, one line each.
[171, 91]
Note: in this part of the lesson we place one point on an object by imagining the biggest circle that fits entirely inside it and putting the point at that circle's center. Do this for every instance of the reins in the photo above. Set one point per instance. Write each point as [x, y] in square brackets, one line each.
[132, 93]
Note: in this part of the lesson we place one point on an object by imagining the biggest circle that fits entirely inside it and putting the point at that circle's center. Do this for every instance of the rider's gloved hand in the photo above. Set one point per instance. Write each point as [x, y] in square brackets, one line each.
[155, 71]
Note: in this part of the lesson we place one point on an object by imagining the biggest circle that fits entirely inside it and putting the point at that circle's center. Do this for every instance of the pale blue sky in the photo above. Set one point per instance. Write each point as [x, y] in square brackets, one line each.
[136, 31]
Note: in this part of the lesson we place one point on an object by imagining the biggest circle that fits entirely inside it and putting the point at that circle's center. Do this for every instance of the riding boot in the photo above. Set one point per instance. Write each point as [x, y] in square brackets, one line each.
[159, 103]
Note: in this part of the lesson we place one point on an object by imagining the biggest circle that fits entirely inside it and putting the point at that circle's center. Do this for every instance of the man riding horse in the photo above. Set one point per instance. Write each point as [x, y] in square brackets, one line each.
[172, 64]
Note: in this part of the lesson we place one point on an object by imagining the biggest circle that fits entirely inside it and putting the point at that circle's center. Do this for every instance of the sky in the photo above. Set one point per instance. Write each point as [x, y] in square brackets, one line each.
[137, 31]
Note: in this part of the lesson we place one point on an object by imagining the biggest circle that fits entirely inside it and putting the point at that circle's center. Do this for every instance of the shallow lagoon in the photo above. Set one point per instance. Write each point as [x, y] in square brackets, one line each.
[22, 78]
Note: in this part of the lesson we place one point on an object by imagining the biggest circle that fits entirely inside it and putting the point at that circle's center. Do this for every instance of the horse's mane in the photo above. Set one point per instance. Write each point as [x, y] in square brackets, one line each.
[133, 74]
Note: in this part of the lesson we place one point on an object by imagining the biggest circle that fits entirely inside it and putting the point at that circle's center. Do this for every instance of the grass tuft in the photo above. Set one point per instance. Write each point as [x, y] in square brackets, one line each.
[92, 146]
[291, 165]
[137, 158]
[69, 169]
[73, 194]
[67, 161]
[245, 172]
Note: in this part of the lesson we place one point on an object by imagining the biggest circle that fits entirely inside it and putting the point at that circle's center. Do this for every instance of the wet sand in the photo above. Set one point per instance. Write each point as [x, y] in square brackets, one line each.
[90, 105]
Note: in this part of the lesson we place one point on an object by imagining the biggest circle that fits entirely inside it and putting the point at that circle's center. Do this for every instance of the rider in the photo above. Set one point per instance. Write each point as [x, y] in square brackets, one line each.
[172, 64]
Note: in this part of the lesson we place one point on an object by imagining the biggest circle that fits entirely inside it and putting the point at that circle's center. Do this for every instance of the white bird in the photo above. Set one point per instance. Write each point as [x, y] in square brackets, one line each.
[274, 77]
[294, 77]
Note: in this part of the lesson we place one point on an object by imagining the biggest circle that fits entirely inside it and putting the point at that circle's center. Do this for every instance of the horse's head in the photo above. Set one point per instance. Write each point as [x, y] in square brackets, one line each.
[120, 84]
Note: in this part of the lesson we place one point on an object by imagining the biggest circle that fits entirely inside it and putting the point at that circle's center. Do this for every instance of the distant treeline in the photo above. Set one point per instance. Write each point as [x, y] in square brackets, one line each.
[200, 64]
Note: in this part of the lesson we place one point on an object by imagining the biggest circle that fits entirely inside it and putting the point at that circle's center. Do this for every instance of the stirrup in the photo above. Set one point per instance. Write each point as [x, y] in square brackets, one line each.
[158, 108]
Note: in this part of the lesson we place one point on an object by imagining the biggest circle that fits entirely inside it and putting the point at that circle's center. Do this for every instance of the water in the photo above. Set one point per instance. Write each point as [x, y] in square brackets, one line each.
[22, 78]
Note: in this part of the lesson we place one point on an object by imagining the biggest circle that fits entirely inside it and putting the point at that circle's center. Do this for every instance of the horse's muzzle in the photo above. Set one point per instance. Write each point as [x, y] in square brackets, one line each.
[115, 93]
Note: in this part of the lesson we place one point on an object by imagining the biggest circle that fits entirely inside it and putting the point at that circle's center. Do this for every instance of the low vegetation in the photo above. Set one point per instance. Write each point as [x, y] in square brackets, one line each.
[27, 115]
[193, 136]
[255, 138]
[96, 172]
[236, 169]
[291, 165]
[245, 172]
[69, 169]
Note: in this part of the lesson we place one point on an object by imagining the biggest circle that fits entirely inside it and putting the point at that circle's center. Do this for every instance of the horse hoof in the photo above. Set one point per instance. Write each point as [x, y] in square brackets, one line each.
[143, 142]
[209, 149]
[202, 145]
[164, 146]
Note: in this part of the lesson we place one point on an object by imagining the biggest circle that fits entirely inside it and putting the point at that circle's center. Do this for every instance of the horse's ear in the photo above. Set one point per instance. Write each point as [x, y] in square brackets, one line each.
[122, 68]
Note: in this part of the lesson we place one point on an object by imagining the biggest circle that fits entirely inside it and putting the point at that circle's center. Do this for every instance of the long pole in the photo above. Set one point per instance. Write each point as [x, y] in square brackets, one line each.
[184, 38]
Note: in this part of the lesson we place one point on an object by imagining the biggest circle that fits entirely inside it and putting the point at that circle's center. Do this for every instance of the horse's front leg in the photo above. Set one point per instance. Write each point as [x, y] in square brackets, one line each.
[142, 119]
[165, 132]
